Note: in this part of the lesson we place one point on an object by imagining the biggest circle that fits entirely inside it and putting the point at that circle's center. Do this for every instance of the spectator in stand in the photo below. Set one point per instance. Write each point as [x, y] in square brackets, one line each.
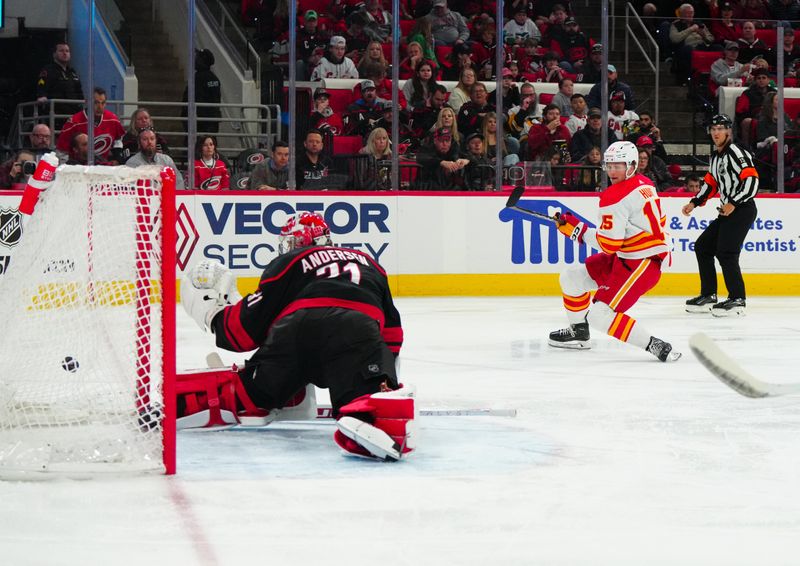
[489, 132]
[383, 86]
[656, 166]
[725, 29]
[592, 69]
[413, 56]
[544, 136]
[577, 118]
[751, 46]
[785, 10]
[405, 136]
[589, 136]
[272, 174]
[446, 119]
[460, 58]
[447, 27]
[471, 114]
[749, 103]
[522, 117]
[379, 21]
[573, 47]
[460, 93]
[614, 85]
[622, 122]
[563, 98]
[323, 118]
[148, 155]
[510, 91]
[108, 130]
[589, 176]
[647, 127]
[207, 90]
[529, 59]
[309, 38]
[686, 35]
[479, 173]
[370, 174]
[766, 140]
[727, 69]
[79, 150]
[756, 12]
[645, 169]
[520, 27]
[210, 171]
[140, 119]
[39, 140]
[364, 112]
[692, 184]
[59, 80]
[335, 65]
[373, 56]
[419, 89]
[422, 34]
[354, 37]
[551, 72]
[313, 166]
[423, 118]
[554, 30]
[12, 171]
[791, 51]
[513, 66]
[441, 164]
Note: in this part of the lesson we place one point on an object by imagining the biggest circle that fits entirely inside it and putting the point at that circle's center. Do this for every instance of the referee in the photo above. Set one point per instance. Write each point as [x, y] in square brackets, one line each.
[732, 175]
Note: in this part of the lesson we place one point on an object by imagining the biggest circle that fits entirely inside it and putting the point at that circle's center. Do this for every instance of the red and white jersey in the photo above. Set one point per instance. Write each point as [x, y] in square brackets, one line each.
[106, 133]
[211, 177]
[620, 124]
[631, 224]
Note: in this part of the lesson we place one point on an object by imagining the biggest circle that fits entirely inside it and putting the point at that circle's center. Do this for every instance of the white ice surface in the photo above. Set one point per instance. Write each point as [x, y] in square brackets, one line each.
[614, 458]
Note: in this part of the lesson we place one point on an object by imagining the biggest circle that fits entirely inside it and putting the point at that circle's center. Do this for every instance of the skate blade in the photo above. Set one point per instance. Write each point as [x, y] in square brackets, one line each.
[673, 357]
[722, 313]
[699, 309]
[576, 345]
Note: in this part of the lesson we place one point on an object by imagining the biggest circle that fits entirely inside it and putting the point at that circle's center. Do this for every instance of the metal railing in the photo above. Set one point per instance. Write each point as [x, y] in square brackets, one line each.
[252, 124]
[239, 42]
[654, 63]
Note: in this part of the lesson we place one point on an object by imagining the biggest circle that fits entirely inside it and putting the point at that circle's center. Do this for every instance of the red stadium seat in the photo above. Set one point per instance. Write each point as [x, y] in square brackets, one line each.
[546, 98]
[319, 6]
[443, 53]
[768, 36]
[347, 144]
[340, 98]
[702, 60]
[406, 26]
[792, 107]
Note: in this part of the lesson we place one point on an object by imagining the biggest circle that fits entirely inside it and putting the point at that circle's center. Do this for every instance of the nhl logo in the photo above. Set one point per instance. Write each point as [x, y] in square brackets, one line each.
[10, 227]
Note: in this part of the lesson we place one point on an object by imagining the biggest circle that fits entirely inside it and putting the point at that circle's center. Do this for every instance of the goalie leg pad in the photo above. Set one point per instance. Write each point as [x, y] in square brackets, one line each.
[380, 425]
[210, 400]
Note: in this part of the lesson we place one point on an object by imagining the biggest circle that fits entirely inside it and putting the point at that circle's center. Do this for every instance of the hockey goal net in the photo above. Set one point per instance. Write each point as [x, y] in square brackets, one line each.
[87, 345]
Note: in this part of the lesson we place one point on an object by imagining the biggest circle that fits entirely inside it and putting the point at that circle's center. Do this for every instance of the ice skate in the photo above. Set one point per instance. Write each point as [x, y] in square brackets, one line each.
[575, 337]
[662, 350]
[729, 307]
[701, 303]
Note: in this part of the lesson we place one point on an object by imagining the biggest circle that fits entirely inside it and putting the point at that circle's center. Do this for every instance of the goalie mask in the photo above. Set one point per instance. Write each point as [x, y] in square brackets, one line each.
[303, 230]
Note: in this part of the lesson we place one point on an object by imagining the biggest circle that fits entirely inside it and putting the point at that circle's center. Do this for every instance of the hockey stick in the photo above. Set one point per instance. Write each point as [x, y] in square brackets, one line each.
[513, 199]
[724, 368]
[326, 411]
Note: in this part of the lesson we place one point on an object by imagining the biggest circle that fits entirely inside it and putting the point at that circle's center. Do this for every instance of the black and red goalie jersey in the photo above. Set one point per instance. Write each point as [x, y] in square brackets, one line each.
[306, 278]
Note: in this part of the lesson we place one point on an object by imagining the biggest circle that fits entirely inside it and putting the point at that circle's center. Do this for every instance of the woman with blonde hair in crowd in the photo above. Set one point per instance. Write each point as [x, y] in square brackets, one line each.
[447, 119]
[370, 174]
[422, 33]
[491, 143]
[373, 55]
[140, 119]
[461, 91]
[409, 63]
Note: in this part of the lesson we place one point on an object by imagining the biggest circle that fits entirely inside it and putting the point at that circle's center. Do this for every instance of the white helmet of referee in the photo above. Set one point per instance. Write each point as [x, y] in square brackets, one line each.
[623, 152]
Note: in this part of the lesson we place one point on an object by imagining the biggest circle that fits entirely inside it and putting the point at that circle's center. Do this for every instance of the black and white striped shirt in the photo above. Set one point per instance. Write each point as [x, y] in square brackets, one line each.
[732, 175]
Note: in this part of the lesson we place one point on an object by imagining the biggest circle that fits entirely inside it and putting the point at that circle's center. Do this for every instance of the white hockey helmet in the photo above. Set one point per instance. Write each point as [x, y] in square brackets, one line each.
[622, 152]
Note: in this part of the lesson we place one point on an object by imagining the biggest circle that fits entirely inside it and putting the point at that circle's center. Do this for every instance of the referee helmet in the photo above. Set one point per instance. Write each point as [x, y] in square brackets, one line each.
[720, 120]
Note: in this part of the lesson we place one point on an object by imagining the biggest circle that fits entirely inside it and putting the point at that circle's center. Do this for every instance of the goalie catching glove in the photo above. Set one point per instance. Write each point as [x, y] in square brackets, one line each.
[571, 226]
[207, 289]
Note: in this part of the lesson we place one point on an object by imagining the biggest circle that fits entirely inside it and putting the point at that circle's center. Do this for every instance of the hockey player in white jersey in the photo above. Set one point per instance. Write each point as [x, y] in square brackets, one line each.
[630, 237]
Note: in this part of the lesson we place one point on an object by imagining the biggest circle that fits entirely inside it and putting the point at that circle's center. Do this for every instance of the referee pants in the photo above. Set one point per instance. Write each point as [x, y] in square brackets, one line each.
[723, 239]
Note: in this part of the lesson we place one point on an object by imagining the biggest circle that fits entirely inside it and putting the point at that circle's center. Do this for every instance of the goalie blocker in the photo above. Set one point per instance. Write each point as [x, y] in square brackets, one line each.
[322, 316]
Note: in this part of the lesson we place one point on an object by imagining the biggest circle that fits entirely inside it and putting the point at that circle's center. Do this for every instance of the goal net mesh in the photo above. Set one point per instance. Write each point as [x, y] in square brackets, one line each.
[80, 350]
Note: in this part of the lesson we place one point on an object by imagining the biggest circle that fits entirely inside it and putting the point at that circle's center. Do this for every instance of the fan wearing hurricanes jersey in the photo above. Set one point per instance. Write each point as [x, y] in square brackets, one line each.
[321, 315]
[108, 131]
[632, 244]
[731, 174]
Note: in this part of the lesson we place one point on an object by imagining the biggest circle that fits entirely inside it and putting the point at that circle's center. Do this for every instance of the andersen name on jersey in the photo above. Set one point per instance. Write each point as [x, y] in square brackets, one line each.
[315, 277]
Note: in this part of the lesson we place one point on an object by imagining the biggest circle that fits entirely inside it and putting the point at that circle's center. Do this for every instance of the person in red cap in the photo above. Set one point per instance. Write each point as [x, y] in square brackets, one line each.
[658, 168]
[441, 163]
[621, 121]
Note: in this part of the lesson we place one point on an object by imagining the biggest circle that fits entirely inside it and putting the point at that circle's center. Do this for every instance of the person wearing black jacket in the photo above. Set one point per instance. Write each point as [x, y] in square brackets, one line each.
[206, 90]
[59, 80]
[441, 164]
[588, 137]
[321, 315]
[732, 175]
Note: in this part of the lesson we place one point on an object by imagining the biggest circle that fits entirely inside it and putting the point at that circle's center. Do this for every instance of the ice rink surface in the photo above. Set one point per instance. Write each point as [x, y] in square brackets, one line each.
[613, 458]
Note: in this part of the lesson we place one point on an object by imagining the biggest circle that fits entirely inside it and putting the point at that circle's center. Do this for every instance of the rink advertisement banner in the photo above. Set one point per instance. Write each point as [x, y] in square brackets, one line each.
[455, 243]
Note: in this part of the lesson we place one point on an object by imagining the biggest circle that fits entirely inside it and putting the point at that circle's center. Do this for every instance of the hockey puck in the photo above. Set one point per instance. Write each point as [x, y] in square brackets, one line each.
[70, 364]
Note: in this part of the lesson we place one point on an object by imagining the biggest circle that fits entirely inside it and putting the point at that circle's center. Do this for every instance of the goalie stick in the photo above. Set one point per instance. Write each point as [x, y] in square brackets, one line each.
[724, 368]
[326, 411]
[513, 199]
